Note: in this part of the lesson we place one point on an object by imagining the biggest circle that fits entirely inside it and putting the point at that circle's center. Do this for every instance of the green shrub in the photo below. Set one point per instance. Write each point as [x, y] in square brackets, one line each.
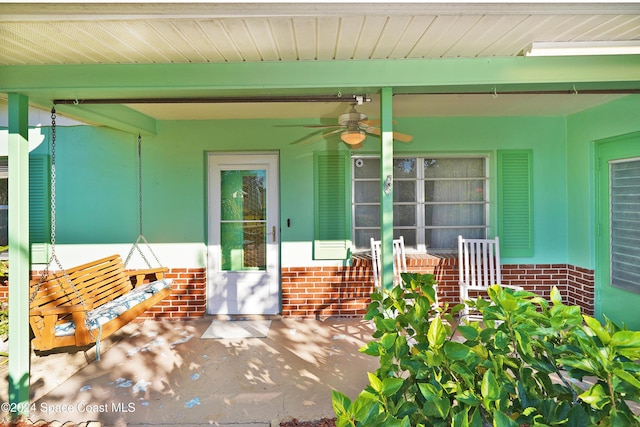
[524, 366]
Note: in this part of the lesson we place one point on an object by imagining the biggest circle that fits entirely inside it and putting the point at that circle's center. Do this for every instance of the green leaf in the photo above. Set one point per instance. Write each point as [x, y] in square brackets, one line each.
[461, 419]
[490, 389]
[437, 333]
[628, 377]
[468, 332]
[555, 296]
[586, 364]
[501, 419]
[468, 398]
[376, 383]
[456, 351]
[476, 418]
[443, 406]
[627, 343]
[596, 397]
[371, 348]
[388, 340]
[391, 385]
[341, 404]
[577, 417]
[597, 328]
[429, 391]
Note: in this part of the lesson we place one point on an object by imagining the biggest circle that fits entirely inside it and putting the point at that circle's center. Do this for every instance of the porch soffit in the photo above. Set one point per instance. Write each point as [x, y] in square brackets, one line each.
[74, 37]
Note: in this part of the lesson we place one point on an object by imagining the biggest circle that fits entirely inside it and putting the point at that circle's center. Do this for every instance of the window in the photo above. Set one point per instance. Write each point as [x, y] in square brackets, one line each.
[434, 200]
[4, 201]
[625, 224]
[39, 215]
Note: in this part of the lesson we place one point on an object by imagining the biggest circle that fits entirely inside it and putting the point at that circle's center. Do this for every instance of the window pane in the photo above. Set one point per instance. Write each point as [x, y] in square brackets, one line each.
[447, 239]
[366, 192]
[625, 225]
[404, 215]
[243, 246]
[404, 168]
[366, 168]
[454, 191]
[454, 215]
[363, 238]
[403, 191]
[454, 168]
[367, 216]
[243, 194]
[409, 237]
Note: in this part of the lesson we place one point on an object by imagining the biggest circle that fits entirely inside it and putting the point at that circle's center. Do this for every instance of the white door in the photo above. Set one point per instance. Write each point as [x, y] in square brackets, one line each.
[243, 274]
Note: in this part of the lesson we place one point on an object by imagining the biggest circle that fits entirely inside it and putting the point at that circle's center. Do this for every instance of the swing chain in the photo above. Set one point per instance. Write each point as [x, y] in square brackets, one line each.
[53, 180]
[53, 256]
[141, 237]
[140, 184]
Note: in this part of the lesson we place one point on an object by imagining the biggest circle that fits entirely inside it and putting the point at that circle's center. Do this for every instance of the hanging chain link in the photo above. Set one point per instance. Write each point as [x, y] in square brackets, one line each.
[53, 256]
[53, 180]
[141, 237]
[140, 185]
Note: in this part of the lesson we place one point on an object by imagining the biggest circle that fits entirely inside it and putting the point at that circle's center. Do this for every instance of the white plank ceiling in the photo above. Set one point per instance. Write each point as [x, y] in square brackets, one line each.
[99, 33]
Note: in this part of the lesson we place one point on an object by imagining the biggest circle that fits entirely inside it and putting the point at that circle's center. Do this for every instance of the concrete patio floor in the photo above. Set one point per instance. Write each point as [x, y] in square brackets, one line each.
[164, 374]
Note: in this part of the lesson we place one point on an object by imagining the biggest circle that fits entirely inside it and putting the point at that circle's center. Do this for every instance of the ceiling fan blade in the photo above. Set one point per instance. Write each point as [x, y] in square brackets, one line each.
[402, 137]
[374, 122]
[322, 126]
[322, 136]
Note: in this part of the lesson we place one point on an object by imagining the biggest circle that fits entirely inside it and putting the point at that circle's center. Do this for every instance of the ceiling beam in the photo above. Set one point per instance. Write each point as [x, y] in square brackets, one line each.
[114, 116]
[174, 10]
[321, 77]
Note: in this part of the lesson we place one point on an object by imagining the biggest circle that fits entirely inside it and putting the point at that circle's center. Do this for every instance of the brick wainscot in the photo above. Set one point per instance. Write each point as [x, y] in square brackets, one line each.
[320, 292]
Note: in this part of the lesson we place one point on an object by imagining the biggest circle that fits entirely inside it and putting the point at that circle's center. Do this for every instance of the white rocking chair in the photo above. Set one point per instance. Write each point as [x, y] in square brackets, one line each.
[479, 268]
[399, 261]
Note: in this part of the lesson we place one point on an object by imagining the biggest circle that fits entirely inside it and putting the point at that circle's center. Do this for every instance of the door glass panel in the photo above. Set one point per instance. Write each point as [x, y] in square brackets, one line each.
[243, 220]
[625, 225]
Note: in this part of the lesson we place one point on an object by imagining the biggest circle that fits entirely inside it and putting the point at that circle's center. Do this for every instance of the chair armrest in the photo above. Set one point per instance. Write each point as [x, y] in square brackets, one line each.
[63, 309]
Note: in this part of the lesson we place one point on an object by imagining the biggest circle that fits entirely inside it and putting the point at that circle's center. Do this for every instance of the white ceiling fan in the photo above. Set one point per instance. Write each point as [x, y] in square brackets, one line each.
[353, 127]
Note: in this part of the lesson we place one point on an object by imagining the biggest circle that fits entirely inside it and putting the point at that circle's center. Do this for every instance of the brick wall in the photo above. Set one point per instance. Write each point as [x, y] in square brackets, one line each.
[344, 291]
[319, 292]
[581, 288]
[188, 296]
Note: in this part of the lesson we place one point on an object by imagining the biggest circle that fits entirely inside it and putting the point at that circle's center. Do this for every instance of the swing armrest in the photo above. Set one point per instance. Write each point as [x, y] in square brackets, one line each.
[63, 309]
[140, 274]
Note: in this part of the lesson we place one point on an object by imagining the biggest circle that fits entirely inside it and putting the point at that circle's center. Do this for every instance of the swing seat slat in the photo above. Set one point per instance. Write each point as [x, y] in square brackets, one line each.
[91, 302]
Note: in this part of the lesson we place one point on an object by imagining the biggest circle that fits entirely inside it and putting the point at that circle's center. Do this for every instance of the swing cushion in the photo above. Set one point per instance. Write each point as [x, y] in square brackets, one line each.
[111, 310]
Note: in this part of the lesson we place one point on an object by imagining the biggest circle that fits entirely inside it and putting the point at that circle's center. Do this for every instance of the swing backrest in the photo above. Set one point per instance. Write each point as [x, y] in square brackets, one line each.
[93, 284]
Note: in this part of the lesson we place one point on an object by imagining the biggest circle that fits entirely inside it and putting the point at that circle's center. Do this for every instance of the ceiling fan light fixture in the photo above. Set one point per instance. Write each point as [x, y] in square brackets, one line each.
[352, 137]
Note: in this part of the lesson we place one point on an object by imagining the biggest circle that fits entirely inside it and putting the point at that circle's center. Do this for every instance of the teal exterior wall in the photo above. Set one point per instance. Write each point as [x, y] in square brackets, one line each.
[584, 129]
[98, 194]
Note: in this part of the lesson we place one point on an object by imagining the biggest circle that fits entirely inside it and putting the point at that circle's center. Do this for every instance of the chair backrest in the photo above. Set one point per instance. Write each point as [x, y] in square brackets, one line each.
[479, 262]
[399, 260]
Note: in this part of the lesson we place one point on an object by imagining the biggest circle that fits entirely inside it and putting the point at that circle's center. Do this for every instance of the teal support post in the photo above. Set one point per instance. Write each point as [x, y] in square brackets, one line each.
[386, 188]
[19, 268]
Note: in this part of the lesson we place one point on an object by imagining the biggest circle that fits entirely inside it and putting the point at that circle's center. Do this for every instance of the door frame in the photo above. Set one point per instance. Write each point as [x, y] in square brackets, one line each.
[243, 158]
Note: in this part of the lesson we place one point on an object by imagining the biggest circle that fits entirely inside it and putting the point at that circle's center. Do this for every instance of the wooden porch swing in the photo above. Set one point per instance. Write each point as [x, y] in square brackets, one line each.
[82, 305]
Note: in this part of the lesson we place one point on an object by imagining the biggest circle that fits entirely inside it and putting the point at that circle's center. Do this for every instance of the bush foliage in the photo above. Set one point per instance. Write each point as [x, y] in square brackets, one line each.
[531, 362]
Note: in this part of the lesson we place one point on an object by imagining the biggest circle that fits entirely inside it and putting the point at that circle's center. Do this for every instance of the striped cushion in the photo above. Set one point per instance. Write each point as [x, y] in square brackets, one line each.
[109, 311]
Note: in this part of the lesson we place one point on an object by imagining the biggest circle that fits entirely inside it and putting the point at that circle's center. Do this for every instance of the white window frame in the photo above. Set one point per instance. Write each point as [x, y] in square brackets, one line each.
[420, 202]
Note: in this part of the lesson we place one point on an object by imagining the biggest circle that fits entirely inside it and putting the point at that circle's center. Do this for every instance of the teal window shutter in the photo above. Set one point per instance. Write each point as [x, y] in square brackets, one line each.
[515, 203]
[332, 225]
[39, 213]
